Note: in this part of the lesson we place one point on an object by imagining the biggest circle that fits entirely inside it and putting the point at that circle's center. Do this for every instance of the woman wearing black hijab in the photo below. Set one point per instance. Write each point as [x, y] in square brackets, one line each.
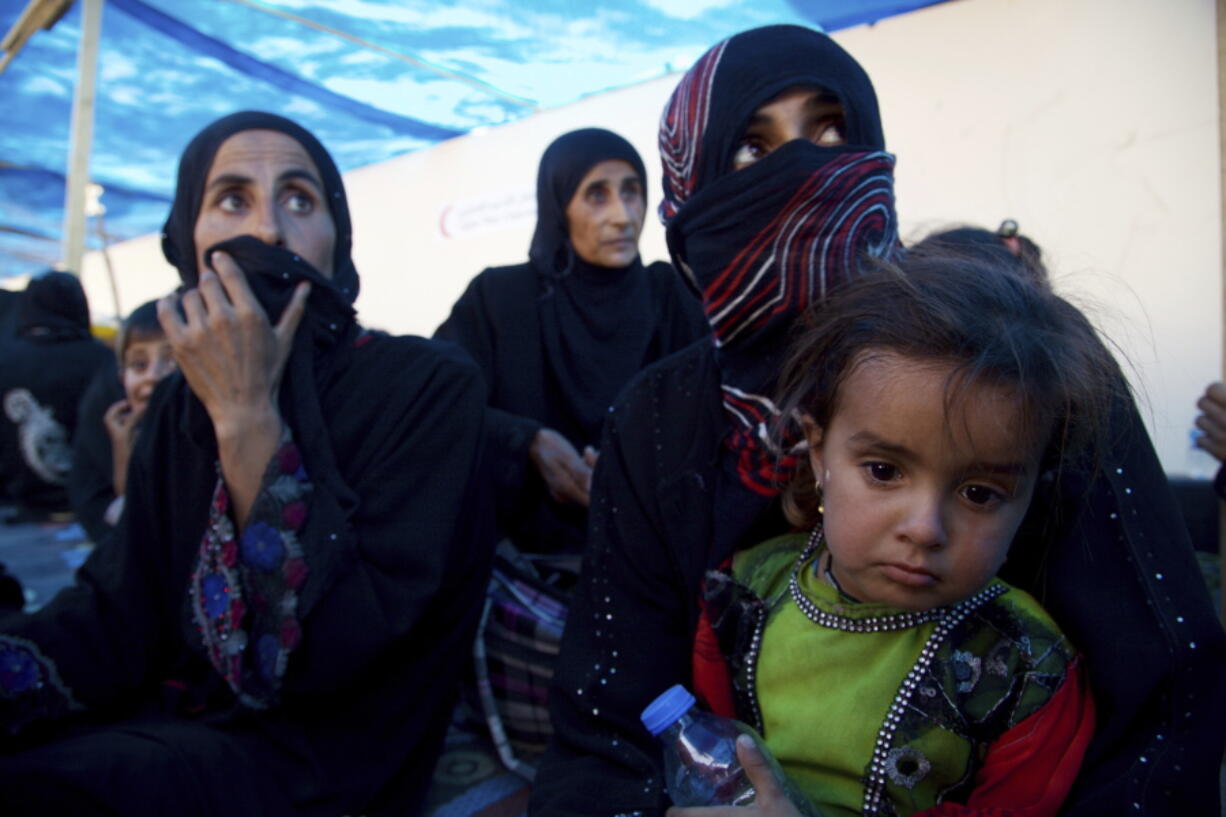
[557, 337]
[45, 370]
[277, 629]
[766, 211]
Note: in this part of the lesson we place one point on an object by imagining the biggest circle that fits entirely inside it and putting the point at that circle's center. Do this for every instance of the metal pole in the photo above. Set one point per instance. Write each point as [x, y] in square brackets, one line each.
[82, 136]
[110, 268]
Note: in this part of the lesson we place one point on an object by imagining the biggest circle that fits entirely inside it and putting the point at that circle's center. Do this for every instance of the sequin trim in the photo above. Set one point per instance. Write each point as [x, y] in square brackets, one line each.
[244, 590]
[875, 624]
[30, 685]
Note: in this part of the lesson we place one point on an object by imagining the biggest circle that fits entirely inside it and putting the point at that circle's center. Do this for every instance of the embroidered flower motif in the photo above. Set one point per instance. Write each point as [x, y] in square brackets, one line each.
[262, 546]
[906, 766]
[294, 514]
[295, 573]
[237, 610]
[268, 652]
[967, 669]
[18, 669]
[216, 594]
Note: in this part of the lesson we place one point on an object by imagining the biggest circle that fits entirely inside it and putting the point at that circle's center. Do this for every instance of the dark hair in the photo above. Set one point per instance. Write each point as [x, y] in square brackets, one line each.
[1006, 246]
[995, 326]
[142, 323]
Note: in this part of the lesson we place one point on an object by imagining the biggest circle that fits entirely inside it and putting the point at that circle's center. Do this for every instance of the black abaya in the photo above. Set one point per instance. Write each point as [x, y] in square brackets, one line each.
[308, 663]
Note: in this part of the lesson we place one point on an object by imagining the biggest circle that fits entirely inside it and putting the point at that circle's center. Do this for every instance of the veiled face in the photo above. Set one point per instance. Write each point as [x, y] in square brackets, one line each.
[797, 113]
[264, 183]
[605, 216]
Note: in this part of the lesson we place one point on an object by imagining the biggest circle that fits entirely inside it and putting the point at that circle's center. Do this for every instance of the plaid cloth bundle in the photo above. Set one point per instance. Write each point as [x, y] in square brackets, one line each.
[515, 650]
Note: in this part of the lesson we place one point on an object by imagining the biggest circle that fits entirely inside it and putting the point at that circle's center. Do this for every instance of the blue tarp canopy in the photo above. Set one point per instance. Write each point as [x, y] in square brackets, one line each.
[372, 78]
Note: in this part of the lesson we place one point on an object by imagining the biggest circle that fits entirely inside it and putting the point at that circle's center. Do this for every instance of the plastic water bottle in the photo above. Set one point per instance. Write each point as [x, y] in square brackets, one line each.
[700, 763]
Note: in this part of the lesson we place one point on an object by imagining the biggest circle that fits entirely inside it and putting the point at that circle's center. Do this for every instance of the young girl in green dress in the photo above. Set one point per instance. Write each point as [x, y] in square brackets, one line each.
[889, 668]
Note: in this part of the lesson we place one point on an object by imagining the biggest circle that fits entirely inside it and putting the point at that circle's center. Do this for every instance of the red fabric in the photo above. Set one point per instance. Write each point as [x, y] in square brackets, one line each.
[1029, 770]
[712, 679]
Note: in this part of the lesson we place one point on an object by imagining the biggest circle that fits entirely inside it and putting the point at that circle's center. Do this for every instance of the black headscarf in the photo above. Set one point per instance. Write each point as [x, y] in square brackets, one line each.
[178, 242]
[762, 244]
[595, 321]
[54, 308]
[274, 272]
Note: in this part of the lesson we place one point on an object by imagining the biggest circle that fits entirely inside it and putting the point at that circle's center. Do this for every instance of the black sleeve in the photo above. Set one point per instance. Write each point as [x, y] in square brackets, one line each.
[627, 639]
[508, 436]
[90, 483]
[418, 532]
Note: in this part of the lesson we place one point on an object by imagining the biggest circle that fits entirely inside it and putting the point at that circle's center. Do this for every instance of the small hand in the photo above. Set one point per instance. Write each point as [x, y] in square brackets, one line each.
[1212, 421]
[567, 476]
[770, 799]
[121, 420]
[590, 456]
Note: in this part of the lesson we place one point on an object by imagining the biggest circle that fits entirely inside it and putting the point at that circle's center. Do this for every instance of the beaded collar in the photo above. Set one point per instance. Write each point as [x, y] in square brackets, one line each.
[874, 624]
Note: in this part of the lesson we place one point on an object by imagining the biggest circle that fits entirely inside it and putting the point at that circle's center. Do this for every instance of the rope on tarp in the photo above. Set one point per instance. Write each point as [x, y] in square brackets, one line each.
[271, 74]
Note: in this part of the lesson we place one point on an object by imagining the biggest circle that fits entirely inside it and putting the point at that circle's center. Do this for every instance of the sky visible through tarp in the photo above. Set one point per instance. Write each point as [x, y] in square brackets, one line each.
[428, 71]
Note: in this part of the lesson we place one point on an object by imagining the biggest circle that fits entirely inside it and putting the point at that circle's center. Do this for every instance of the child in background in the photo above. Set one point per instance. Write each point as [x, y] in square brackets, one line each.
[888, 668]
[109, 426]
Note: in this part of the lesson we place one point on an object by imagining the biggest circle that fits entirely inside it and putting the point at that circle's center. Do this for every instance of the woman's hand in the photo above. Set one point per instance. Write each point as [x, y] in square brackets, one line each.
[770, 799]
[1212, 421]
[233, 360]
[567, 475]
[232, 357]
[120, 421]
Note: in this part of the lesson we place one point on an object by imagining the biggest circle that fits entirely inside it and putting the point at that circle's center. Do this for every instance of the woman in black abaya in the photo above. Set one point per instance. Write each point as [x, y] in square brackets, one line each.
[45, 370]
[557, 337]
[279, 624]
[766, 210]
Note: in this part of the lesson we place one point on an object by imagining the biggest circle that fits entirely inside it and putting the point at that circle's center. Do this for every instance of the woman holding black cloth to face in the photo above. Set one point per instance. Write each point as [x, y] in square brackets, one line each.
[557, 337]
[280, 623]
[776, 182]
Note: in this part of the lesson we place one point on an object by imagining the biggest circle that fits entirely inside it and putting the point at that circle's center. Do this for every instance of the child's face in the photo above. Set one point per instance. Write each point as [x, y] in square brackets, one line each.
[920, 504]
[146, 360]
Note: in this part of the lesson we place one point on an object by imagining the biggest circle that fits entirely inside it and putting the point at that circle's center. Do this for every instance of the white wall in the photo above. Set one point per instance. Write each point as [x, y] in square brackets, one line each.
[1094, 123]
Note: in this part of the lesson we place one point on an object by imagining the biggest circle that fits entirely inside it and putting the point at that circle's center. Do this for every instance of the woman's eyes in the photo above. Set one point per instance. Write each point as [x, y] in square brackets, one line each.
[630, 192]
[748, 152]
[296, 201]
[299, 203]
[831, 132]
[230, 202]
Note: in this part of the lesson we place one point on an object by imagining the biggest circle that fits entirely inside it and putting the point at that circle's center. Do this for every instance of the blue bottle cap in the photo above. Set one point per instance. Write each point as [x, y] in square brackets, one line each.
[664, 711]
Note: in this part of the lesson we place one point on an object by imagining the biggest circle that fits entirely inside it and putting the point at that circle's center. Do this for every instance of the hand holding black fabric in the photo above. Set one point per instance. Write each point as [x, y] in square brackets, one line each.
[233, 359]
